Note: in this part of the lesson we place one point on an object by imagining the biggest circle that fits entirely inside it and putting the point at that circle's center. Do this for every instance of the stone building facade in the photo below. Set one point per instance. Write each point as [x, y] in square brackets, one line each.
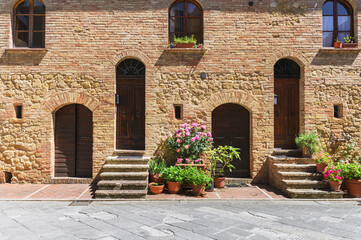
[86, 40]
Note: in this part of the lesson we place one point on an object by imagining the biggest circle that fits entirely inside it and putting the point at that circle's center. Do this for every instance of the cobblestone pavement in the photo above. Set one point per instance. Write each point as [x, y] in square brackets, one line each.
[194, 220]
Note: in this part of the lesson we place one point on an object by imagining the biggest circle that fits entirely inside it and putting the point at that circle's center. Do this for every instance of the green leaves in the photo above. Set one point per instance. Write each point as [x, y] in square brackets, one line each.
[351, 171]
[185, 39]
[173, 174]
[196, 176]
[224, 155]
[310, 141]
[156, 166]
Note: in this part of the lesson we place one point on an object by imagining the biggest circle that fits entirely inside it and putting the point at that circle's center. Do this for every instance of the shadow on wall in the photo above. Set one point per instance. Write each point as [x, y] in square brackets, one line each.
[170, 58]
[331, 57]
[23, 58]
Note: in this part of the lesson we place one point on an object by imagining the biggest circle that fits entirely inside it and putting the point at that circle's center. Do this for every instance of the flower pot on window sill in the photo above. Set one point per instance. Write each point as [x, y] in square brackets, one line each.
[350, 45]
[185, 45]
[338, 44]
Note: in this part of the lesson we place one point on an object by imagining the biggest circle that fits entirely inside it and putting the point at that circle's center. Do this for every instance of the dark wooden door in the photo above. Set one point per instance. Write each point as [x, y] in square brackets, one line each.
[231, 126]
[73, 141]
[286, 107]
[130, 102]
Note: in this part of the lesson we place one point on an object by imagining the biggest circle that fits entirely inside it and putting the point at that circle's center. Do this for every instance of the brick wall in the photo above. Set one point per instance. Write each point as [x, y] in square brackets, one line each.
[86, 39]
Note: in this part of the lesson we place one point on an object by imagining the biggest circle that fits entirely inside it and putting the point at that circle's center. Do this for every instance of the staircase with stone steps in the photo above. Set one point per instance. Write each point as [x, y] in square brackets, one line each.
[297, 177]
[124, 175]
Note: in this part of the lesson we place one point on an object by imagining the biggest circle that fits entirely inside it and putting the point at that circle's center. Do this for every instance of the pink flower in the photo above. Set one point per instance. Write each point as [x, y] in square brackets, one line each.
[195, 124]
[165, 138]
[178, 131]
[178, 150]
[193, 139]
[184, 125]
[211, 139]
[178, 135]
[209, 134]
[179, 141]
[187, 134]
[188, 160]
[203, 127]
[198, 160]
[186, 146]
[205, 134]
[200, 133]
[179, 160]
[197, 137]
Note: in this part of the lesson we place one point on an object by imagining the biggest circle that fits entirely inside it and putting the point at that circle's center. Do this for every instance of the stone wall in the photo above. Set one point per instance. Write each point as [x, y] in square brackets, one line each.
[86, 41]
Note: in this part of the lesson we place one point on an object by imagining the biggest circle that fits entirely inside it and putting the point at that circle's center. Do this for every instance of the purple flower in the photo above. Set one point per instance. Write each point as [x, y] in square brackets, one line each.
[178, 131]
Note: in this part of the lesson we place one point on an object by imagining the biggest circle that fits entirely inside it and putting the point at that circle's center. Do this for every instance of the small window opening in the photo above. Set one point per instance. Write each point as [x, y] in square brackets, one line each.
[19, 111]
[178, 111]
[337, 111]
[8, 177]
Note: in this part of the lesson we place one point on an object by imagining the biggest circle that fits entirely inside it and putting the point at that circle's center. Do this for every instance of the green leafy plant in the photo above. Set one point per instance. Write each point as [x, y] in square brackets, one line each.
[337, 40]
[156, 166]
[224, 155]
[185, 39]
[174, 174]
[189, 142]
[322, 157]
[349, 153]
[197, 176]
[349, 39]
[310, 141]
[351, 171]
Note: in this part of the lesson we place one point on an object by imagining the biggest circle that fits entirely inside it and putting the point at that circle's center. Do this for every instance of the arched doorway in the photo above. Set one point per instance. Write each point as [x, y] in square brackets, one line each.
[231, 126]
[130, 105]
[286, 103]
[73, 141]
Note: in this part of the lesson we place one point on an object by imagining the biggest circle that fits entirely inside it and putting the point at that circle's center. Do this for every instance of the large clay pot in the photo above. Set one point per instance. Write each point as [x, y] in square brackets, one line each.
[353, 188]
[321, 167]
[198, 190]
[350, 45]
[185, 45]
[335, 186]
[338, 44]
[156, 189]
[155, 178]
[219, 182]
[174, 187]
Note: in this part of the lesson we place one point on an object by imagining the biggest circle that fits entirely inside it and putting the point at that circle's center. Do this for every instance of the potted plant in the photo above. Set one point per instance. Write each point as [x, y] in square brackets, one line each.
[174, 176]
[223, 155]
[322, 159]
[156, 188]
[188, 144]
[349, 42]
[156, 168]
[352, 174]
[334, 177]
[337, 44]
[185, 42]
[199, 179]
[309, 143]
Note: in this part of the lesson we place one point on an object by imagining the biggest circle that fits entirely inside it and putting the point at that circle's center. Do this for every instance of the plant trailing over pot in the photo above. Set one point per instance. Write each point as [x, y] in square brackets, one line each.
[322, 159]
[188, 143]
[156, 188]
[185, 42]
[349, 42]
[334, 177]
[337, 44]
[223, 155]
[352, 174]
[156, 168]
[174, 176]
[309, 143]
[199, 179]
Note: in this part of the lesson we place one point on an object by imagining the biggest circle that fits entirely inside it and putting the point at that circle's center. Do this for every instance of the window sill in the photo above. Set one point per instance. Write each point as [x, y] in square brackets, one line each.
[332, 49]
[35, 50]
[185, 50]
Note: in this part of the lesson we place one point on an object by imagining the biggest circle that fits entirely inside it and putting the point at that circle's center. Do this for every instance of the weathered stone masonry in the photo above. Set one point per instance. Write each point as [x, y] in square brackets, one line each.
[85, 42]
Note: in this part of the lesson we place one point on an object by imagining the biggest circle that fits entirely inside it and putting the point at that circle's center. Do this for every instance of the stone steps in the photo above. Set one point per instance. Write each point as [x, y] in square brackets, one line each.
[121, 194]
[290, 160]
[306, 184]
[124, 176]
[314, 194]
[295, 167]
[301, 175]
[287, 152]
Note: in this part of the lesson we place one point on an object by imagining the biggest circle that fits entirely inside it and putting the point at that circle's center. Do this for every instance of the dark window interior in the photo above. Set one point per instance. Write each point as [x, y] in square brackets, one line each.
[29, 26]
[178, 112]
[19, 111]
[337, 111]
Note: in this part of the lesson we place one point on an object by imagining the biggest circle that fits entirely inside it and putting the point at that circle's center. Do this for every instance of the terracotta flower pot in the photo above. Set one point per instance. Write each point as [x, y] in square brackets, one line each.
[219, 182]
[174, 187]
[185, 45]
[198, 190]
[335, 186]
[156, 189]
[158, 179]
[350, 45]
[338, 44]
[353, 188]
[321, 167]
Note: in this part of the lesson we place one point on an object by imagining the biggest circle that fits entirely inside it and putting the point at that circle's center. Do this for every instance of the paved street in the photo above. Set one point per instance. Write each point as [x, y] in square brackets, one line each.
[194, 220]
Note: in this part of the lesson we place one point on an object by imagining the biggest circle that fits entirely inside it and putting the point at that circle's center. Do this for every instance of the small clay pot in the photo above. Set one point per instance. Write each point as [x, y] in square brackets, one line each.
[219, 182]
[198, 190]
[321, 167]
[174, 187]
[335, 186]
[338, 44]
[156, 189]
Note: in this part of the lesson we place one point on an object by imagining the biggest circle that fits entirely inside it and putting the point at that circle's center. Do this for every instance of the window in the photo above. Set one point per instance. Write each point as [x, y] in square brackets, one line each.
[186, 19]
[19, 111]
[29, 24]
[337, 111]
[178, 112]
[337, 21]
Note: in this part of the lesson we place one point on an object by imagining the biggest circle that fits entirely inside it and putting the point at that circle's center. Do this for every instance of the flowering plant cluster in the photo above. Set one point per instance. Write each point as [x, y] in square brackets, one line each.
[189, 142]
[309, 141]
[334, 174]
[322, 157]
